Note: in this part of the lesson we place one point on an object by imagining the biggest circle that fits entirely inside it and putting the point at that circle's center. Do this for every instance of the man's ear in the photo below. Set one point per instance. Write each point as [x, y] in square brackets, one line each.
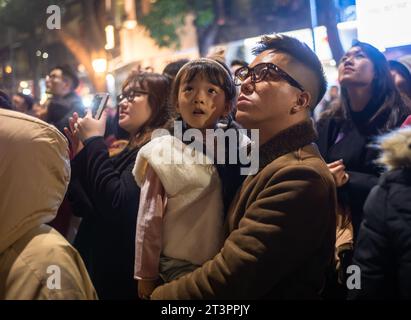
[68, 84]
[303, 102]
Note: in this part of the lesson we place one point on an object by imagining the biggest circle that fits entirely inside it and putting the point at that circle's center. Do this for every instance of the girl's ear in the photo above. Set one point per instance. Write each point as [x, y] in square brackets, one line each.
[177, 108]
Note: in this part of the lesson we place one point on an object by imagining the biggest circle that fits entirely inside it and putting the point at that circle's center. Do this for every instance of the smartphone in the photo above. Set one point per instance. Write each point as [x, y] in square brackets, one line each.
[98, 104]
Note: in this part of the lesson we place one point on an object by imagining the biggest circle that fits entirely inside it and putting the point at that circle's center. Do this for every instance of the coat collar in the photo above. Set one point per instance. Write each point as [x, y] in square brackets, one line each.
[288, 140]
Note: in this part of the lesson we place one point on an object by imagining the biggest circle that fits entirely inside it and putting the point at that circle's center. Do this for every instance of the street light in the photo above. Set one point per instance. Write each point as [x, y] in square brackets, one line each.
[99, 65]
[109, 37]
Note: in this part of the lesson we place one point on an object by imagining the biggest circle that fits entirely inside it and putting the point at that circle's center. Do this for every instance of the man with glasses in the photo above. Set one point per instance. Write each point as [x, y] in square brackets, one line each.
[60, 84]
[281, 224]
[63, 102]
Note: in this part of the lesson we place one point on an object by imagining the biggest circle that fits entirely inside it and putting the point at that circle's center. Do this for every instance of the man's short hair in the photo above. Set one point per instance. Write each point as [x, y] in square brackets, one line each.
[68, 72]
[238, 62]
[297, 50]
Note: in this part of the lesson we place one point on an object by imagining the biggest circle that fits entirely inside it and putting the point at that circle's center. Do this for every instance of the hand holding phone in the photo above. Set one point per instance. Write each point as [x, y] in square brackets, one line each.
[98, 104]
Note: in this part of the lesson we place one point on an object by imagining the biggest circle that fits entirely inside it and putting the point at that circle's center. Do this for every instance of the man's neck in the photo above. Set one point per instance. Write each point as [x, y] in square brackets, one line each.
[61, 95]
[359, 97]
[267, 132]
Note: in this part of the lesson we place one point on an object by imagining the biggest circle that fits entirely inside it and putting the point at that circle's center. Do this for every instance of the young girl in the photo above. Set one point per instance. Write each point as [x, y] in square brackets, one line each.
[180, 219]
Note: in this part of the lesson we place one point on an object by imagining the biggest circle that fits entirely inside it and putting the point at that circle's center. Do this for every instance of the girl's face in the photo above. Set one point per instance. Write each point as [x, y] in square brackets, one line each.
[201, 103]
[355, 68]
[134, 109]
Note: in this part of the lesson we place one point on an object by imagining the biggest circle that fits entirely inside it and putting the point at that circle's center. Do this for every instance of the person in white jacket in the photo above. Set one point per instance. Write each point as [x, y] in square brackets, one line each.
[36, 262]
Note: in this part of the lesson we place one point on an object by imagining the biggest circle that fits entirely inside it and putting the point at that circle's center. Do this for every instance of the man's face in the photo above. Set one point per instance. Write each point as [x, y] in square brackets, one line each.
[56, 84]
[267, 104]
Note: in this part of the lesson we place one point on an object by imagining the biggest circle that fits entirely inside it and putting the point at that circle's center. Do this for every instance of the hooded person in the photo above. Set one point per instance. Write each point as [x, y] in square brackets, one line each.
[36, 262]
[383, 248]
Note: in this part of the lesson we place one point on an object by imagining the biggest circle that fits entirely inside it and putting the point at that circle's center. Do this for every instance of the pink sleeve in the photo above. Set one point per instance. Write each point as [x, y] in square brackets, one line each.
[407, 122]
[149, 227]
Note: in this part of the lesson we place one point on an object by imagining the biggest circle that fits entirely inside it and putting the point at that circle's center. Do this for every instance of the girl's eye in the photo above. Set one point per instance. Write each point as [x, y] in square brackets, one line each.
[187, 88]
[211, 90]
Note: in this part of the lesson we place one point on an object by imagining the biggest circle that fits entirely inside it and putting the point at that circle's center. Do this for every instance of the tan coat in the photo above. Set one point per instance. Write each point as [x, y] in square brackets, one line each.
[36, 262]
[281, 229]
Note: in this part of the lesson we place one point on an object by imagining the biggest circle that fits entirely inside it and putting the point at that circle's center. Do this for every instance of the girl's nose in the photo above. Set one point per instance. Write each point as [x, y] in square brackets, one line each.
[199, 98]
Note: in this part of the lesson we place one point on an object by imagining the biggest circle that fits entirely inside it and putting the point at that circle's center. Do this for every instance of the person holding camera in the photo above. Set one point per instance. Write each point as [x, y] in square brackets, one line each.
[103, 191]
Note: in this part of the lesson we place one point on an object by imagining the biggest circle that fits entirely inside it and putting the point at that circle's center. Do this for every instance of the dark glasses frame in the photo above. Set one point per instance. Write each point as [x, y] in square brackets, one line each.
[240, 76]
[130, 95]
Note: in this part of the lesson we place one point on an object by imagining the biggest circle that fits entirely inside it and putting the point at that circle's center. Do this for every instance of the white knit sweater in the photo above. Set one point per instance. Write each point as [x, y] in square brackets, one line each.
[193, 221]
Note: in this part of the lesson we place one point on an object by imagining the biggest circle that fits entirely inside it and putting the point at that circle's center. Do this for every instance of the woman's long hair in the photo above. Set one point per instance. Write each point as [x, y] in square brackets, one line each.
[390, 107]
[158, 88]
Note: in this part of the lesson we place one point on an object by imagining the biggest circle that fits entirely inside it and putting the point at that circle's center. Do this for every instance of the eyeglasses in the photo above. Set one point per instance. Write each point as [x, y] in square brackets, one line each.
[260, 71]
[130, 95]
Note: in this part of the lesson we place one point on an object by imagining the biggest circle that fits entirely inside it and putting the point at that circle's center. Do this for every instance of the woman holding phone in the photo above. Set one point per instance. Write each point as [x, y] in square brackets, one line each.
[103, 191]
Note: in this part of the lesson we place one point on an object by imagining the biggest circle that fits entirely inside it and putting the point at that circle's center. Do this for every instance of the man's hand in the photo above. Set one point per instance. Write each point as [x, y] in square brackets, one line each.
[89, 127]
[337, 169]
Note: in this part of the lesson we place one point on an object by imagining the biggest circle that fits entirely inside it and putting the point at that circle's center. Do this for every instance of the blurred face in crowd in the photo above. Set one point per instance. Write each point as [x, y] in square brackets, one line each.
[333, 92]
[201, 103]
[268, 104]
[19, 103]
[57, 84]
[355, 69]
[401, 83]
[134, 109]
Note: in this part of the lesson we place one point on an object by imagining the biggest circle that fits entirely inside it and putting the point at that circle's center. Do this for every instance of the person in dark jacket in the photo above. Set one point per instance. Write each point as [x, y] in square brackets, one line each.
[61, 83]
[383, 249]
[103, 191]
[369, 105]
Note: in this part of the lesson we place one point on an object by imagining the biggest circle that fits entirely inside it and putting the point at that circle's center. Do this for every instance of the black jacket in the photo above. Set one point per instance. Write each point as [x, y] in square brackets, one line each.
[60, 109]
[358, 158]
[104, 193]
[383, 250]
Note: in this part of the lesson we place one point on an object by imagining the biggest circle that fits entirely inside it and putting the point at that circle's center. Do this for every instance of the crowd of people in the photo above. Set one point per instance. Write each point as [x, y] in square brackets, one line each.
[331, 189]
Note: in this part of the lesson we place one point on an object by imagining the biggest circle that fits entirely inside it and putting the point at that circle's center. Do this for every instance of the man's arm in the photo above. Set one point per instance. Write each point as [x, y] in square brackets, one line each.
[278, 232]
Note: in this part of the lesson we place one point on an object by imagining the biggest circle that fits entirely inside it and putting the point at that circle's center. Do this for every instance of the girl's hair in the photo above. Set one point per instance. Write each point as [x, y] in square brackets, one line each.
[390, 107]
[214, 70]
[158, 88]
